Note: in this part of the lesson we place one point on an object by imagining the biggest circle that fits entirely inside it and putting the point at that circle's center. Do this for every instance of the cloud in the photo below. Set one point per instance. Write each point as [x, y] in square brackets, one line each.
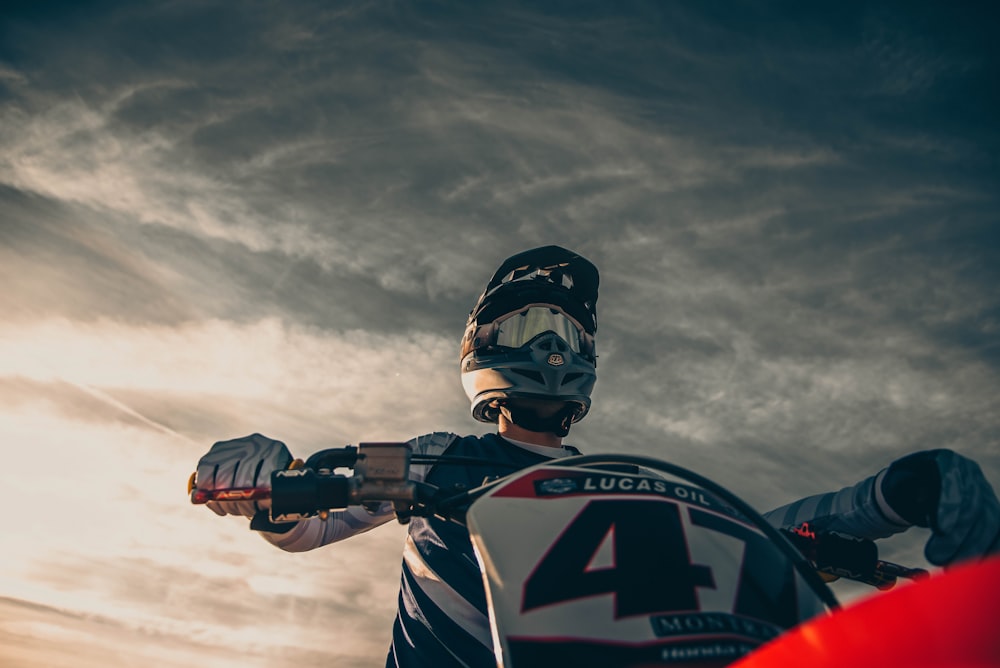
[35, 633]
[345, 379]
[114, 541]
[265, 173]
[126, 411]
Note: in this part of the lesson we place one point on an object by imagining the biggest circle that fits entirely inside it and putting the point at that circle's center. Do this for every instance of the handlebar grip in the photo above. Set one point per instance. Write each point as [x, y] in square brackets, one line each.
[838, 555]
[203, 496]
[300, 493]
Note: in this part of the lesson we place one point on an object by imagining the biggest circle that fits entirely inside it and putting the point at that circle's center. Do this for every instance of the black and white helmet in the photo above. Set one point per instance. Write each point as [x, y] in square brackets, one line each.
[531, 334]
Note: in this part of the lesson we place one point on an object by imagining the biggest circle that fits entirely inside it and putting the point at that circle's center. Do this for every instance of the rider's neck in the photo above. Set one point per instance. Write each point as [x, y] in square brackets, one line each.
[508, 429]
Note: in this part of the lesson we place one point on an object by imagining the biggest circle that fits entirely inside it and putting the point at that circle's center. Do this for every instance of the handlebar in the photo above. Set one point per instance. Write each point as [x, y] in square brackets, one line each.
[381, 474]
[836, 555]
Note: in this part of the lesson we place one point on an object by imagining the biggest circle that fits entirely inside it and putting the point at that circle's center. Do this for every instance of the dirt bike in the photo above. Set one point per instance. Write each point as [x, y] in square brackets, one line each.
[618, 560]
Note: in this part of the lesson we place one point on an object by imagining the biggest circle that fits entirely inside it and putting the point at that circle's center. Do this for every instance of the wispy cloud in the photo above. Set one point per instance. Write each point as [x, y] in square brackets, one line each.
[345, 378]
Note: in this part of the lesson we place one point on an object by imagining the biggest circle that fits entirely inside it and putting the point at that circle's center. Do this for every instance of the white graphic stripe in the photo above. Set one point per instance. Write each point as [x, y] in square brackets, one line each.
[447, 599]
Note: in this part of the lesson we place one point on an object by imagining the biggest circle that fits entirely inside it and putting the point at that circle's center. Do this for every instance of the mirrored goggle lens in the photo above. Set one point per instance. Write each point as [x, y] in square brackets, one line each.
[522, 326]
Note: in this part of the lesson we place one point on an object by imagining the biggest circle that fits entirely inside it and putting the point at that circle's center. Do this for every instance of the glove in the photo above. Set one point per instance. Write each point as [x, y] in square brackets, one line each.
[241, 463]
[947, 492]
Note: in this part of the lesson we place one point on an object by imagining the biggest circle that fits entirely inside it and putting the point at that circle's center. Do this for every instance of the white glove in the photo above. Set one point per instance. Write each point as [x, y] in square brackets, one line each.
[947, 492]
[241, 463]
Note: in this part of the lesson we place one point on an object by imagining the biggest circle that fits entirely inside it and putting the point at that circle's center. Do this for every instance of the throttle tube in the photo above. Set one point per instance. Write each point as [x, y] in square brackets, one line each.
[300, 493]
[836, 553]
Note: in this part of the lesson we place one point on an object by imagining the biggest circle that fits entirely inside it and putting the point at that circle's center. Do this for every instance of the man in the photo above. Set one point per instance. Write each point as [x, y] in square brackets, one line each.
[528, 364]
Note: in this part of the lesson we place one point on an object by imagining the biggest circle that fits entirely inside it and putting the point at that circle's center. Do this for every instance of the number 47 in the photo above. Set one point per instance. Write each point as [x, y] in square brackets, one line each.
[652, 570]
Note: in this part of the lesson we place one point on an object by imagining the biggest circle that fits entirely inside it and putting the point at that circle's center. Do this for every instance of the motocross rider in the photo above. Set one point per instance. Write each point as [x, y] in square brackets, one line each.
[528, 365]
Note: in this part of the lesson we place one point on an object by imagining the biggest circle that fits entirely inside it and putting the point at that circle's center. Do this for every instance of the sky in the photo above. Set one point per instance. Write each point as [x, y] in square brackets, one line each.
[274, 217]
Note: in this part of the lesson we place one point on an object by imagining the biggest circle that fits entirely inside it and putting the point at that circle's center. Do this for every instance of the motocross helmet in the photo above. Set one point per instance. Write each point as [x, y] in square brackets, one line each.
[530, 336]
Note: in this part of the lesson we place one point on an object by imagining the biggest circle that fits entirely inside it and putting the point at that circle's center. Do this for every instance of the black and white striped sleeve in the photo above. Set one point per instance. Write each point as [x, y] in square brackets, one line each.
[859, 510]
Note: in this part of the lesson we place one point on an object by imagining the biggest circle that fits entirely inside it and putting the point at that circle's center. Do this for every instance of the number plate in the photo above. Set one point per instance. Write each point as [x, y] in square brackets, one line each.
[599, 568]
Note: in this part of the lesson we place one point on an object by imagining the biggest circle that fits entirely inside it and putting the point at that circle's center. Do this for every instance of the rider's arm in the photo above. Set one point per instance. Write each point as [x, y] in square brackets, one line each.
[315, 532]
[859, 510]
[939, 489]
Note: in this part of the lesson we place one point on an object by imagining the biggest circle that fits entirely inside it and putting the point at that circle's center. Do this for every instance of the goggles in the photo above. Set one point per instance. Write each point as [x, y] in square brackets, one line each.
[519, 327]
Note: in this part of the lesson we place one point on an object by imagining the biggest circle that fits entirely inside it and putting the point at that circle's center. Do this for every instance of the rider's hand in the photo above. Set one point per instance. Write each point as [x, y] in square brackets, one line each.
[947, 492]
[240, 464]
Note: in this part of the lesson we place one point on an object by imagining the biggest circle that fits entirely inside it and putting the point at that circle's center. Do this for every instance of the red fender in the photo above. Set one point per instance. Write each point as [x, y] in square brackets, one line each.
[951, 618]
